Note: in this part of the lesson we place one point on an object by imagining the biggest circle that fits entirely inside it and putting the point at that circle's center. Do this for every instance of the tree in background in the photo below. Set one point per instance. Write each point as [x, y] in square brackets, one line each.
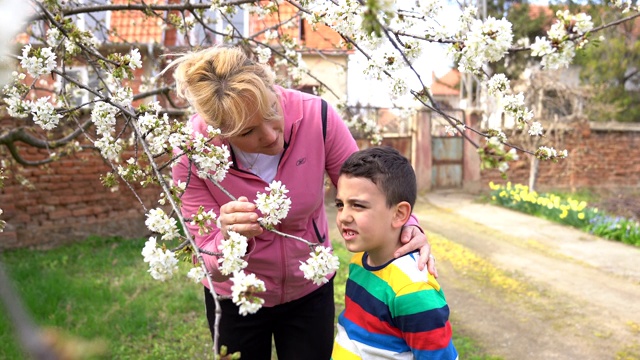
[612, 66]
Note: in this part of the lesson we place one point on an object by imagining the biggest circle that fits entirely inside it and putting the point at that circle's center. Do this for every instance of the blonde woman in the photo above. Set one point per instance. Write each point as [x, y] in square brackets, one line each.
[273, 134]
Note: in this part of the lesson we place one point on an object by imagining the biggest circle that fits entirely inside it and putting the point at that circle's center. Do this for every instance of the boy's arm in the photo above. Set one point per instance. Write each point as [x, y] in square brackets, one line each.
[421, 313]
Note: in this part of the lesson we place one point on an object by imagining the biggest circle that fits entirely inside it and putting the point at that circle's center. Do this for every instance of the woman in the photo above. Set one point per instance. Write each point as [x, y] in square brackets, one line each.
[273, 133]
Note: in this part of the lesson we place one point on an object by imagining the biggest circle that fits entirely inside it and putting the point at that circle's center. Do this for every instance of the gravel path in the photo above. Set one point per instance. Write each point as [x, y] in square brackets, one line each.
[527, 288]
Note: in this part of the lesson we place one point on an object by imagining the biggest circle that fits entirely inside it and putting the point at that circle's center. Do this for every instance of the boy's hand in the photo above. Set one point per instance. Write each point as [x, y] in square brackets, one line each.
[414, 239]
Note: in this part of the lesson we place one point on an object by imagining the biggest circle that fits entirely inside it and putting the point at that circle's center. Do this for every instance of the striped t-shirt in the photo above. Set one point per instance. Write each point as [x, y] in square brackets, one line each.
[393, 311]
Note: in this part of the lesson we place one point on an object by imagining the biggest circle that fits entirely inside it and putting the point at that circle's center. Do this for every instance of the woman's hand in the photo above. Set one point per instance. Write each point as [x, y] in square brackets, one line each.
[239, 216]
[414, 239]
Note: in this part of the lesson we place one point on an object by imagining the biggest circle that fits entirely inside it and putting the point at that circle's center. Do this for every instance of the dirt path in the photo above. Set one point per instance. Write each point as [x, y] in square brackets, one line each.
[526, 288]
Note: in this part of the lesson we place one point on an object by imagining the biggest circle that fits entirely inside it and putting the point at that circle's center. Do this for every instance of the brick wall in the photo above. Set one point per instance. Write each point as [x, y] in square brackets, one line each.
[601, 155]
[67, 203]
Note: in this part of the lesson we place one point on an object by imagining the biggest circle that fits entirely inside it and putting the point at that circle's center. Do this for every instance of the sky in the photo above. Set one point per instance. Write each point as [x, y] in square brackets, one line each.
[368, 92]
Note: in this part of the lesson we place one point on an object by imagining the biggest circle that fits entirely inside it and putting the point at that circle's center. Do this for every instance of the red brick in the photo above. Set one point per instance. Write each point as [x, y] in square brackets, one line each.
[82, 212]
[59, 214]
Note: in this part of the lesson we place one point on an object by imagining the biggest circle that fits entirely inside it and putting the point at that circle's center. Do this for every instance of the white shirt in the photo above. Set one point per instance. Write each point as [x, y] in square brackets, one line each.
[264, 166]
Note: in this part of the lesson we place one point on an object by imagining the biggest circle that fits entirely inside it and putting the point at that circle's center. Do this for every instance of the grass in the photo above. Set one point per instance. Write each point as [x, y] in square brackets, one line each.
[98, 291]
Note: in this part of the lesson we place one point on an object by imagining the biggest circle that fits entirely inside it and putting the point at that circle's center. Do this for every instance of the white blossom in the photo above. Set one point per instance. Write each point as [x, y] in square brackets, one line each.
[535, 129]
[541, 47]
[149, 249]
[513, 154]
[321, 263]
[123, 96]
[583, 23]
[243, 292]
[233, 249]
[625, 5]
[453, 130]
[135, 60]
[486, 41]
[515, 107]
[203, 219]
[2, 222]
[40, 63]
[110, 148]
[131, 170]
[264, 54]
[54, 37]
[103, 116]
[549, 153]
[210, 160]
[196, 274]
[158, 221]
[498, 85]
[561, 59]
[181, 134]
[213, 162]
[557, 31]
[17, 107]
[275, 205]
[44, 114]
[499, 136]
[162, 262]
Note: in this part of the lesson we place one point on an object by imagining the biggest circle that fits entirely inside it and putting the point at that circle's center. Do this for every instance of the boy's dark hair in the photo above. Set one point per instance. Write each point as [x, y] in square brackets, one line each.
[386, 168]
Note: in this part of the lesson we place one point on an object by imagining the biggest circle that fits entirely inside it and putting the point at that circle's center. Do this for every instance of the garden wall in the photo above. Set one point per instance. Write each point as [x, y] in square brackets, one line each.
[601, 156]
[65, 202]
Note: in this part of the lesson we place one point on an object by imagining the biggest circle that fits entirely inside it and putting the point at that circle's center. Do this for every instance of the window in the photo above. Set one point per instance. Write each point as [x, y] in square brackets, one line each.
[75, 95]
[200, 35]
[96, 22]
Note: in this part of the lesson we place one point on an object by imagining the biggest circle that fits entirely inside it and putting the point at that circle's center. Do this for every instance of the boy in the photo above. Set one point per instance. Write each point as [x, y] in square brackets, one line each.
[393, 310]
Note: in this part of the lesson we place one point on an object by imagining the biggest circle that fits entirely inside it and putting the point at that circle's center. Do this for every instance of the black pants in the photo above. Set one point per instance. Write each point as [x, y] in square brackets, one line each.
[301, 329]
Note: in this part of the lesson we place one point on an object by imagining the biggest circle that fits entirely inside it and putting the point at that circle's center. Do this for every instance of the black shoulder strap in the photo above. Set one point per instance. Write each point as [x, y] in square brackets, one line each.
[324, 119]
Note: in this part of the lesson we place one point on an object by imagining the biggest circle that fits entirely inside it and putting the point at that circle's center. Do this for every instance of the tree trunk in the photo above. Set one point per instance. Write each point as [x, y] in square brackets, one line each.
[533, 172]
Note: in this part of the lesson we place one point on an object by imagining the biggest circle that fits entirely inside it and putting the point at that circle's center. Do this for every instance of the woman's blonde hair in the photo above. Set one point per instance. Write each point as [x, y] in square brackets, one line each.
[221, 83]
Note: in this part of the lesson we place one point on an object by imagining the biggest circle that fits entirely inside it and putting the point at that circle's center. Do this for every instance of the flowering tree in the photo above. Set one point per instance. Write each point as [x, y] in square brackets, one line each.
[138, 126]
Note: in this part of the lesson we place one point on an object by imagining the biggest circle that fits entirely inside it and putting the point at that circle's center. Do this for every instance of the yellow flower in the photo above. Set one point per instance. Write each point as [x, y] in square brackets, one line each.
[564, 214]
[581, 216]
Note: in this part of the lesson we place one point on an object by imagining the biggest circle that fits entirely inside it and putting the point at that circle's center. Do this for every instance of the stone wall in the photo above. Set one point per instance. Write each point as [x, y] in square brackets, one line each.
[601, 155]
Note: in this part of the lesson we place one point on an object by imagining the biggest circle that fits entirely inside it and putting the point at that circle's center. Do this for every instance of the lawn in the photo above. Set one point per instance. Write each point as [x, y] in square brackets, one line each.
[99, 291]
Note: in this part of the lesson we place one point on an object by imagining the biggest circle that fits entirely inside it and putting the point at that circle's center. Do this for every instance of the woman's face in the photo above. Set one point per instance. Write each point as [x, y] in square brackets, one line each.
[261, 135]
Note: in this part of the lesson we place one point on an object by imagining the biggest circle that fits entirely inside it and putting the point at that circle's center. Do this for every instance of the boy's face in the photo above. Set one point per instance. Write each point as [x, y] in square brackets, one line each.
[363, 218]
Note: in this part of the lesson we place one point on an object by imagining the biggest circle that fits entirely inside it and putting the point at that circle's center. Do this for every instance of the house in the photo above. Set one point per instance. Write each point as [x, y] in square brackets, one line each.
[325, 59]
[446, 89]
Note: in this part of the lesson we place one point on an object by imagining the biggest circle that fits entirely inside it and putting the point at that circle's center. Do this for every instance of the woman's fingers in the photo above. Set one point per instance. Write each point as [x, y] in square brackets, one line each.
[239, 216]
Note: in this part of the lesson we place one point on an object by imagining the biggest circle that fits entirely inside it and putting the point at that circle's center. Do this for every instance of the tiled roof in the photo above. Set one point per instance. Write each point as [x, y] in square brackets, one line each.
[135, 26]
[449, 84]
[322, 38]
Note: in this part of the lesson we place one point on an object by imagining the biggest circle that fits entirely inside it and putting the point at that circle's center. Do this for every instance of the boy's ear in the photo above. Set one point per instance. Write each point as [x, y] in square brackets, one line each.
[402, 214]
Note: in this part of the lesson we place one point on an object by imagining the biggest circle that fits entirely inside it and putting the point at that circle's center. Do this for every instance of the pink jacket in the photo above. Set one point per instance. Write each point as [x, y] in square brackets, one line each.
[274, 259]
